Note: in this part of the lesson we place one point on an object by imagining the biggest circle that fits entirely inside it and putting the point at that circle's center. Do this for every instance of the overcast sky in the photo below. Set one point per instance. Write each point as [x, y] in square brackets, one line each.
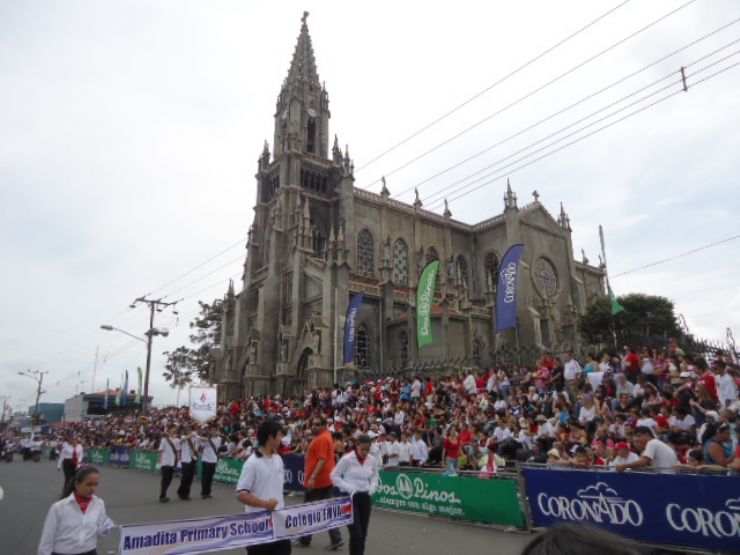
[131, 130]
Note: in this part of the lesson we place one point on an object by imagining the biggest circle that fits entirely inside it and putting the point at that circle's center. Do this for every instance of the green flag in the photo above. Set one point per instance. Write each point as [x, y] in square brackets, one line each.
[424, 301]
[616, 307]
[138, 391]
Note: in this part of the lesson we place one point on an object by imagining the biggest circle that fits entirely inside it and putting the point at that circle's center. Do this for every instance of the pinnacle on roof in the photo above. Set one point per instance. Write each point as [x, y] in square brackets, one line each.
[303, 66]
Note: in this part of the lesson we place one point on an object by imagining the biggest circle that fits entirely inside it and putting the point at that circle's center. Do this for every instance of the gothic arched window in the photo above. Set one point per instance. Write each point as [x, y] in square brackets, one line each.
[362, 354]
[365, 254]
[400, 262]
[478, 353]
[491, 266]
[404, 341]
[462, 269]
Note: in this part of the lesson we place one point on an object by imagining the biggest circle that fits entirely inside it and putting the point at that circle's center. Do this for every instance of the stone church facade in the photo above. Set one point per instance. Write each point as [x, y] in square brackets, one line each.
[316, 241]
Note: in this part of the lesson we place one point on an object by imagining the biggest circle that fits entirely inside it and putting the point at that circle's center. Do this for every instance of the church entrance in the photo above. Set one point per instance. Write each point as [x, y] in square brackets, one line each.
[299, 385]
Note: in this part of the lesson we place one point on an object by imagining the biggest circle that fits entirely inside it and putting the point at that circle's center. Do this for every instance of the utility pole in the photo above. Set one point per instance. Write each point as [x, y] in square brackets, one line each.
[38, 377]
[95, 370]
[154, 305]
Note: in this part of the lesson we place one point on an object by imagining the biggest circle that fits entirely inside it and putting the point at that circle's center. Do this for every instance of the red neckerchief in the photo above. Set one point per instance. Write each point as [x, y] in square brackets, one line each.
[83, 502]
[360, 458]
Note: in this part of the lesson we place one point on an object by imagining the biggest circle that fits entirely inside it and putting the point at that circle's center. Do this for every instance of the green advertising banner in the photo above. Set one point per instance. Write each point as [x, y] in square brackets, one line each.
[424, 300]
[144, 460]
[227, 470]
[46, 452]
[482, 500]
[98, 456]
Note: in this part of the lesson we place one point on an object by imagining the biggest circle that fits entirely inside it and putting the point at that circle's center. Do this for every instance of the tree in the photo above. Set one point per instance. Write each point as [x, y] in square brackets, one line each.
[188, 362]
[644, 315]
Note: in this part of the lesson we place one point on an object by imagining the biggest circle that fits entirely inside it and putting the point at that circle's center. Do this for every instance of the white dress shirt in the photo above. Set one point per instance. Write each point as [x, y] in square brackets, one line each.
[352, 476]
[68, 530]
[67, 452]
[420, 452]
[186, 453]
[571, 370]
[404, 452]
[209, 455]
[168, 456]
[392, 451]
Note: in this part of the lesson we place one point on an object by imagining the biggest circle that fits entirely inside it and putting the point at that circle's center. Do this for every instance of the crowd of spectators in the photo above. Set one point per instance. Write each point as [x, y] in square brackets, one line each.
[639, 408]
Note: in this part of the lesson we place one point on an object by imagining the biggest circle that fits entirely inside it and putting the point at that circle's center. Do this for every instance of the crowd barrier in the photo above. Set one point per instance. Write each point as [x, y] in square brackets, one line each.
[682, 510]
[686, 510]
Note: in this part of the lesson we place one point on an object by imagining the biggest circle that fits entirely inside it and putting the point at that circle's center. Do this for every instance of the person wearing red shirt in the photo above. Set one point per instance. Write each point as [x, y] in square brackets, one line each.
[632, 365]
[451, 452]
[707, 380]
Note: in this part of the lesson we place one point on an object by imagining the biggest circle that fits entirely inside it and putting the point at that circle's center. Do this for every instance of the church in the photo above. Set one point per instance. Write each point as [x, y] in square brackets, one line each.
[316, 241]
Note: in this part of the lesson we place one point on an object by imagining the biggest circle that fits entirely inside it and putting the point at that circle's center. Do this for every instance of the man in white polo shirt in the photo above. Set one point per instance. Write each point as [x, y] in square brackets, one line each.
[260, 485]
[655, 453]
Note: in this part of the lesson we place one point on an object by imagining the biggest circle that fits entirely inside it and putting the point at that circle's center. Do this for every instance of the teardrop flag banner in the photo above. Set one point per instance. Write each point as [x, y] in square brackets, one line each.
[506, 295]
[424, 300]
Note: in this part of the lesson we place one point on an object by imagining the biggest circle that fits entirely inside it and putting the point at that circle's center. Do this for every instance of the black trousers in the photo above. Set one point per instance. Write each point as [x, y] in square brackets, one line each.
[361, 507]
[209, 469]
[317, 495]
[167, 473]
[275, 548]
[69, 472]
[93, 552]
[186, 480]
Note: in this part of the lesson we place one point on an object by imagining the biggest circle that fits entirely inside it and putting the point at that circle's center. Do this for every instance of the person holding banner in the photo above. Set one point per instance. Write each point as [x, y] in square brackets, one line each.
[74, 523]
[260, 485]
[357, 474]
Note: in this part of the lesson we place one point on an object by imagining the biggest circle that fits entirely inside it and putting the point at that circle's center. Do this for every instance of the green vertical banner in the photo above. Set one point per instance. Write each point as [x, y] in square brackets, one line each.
[424, 301]
[492, 501]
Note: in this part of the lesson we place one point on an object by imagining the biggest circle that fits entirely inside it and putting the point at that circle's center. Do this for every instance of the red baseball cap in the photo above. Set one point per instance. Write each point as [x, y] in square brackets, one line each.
[623, 445]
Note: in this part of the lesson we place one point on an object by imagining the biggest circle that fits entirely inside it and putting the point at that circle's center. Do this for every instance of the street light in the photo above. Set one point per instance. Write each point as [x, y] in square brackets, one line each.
[150, 333]
[38, 377]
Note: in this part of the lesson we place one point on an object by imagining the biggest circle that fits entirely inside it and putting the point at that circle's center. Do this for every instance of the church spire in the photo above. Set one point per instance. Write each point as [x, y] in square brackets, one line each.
[510, 197]
[303, 67]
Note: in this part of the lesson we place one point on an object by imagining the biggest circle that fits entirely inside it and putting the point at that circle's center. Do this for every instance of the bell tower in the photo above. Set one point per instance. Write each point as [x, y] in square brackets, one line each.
[302, 110]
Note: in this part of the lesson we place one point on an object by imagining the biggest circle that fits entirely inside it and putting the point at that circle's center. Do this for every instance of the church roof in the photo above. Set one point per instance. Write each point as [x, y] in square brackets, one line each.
[303, 66]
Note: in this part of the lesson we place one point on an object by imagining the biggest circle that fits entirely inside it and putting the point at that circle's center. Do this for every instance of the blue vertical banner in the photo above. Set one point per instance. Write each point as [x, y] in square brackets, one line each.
[506, 291]
[350, 325]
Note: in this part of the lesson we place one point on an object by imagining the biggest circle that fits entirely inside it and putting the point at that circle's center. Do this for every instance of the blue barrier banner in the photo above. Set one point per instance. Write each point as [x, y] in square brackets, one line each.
[294, 467]
[120, 456]
[698, 511]
[217, 533]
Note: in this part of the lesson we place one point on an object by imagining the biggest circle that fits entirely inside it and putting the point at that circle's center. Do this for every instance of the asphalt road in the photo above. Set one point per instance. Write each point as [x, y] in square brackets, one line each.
[131, 497]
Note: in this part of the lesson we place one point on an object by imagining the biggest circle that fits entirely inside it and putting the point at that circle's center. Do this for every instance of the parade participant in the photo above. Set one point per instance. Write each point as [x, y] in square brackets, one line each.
[74, 523]
[260, 485]
[319, 464]
[357, 474]
[189, 445]
[211, 444]
[69, 459]
[169, 455]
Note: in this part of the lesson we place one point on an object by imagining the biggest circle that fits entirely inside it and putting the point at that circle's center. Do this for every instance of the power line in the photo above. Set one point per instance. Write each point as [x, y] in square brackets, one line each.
[663, 99]
[679, 80]
[566, 109]
[677, 256]
[493, 85]
[531, 93]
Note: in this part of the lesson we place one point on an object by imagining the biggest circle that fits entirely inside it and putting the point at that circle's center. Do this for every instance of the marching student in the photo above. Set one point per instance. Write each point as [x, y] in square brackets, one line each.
[357, 474]
[169, 455]
[209, 456]
[74, 523]
[260, 485]
[189, 446]
[69, 459]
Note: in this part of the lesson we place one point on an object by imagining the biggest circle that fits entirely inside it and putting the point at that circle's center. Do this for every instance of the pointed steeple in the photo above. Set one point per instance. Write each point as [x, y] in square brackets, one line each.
[384, 192]
[336, 151]
[563, 219]
[303, 66]
[510, 197]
